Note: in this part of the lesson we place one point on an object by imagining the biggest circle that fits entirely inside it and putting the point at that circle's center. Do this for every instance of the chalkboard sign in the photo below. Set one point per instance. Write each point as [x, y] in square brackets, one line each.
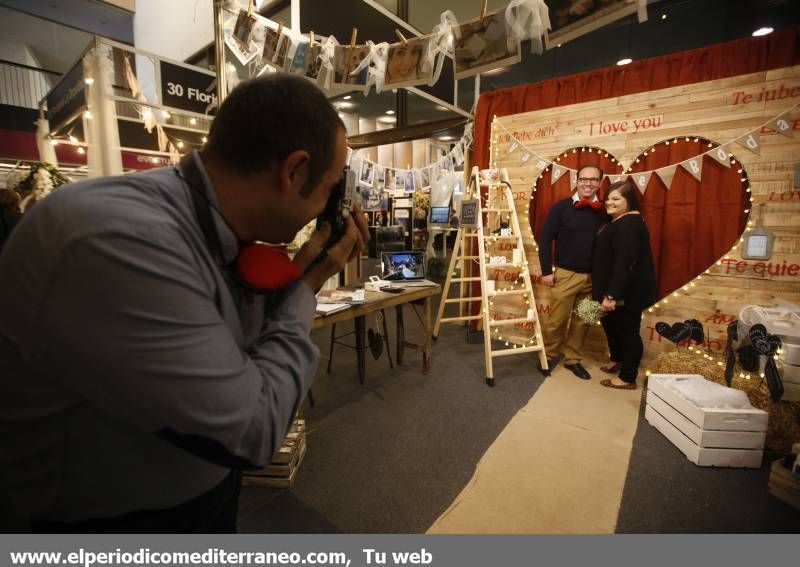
[469, 212]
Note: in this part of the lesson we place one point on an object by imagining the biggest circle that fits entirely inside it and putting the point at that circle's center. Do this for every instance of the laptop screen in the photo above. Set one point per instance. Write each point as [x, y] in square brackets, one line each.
[401, 266]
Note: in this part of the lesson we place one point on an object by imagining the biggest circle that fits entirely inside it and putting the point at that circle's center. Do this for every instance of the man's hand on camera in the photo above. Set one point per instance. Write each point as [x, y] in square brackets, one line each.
[348, 247]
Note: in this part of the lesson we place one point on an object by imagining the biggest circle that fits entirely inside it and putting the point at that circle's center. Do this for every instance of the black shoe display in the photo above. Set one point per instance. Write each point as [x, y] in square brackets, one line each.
[578, 370]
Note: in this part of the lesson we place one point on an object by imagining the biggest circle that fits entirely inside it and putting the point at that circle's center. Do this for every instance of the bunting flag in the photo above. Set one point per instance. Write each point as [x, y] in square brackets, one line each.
[783, 125]
[721, 155]
[694, 166]
[573, 179]
[751, 142]
[614, 178]
[513, 147]
[557, 172]
[666, 174]
[641, 180]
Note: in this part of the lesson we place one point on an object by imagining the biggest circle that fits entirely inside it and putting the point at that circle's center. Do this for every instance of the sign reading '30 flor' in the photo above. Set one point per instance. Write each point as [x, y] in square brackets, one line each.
[186, 88]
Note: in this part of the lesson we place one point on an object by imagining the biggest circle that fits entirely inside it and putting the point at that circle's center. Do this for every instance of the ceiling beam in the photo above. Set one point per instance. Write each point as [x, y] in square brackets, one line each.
[414, 132]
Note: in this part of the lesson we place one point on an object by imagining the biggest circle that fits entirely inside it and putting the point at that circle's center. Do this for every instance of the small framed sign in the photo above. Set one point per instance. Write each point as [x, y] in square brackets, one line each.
[757, 245]
[469, 213]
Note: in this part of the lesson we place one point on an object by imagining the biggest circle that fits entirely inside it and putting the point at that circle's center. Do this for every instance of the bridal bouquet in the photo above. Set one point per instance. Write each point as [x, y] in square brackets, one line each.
[590, 311]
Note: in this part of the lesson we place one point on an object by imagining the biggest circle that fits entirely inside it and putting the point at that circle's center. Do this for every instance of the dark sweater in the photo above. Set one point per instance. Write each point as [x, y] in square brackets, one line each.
[573, 231]
[623, 263]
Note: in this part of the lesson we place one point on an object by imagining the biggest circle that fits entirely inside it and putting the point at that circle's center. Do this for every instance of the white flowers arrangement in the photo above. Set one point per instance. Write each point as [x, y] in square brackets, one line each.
[36, 183]
[590, 311]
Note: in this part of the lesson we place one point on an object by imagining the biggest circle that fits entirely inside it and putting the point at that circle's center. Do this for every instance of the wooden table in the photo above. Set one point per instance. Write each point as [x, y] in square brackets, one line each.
[376, 301]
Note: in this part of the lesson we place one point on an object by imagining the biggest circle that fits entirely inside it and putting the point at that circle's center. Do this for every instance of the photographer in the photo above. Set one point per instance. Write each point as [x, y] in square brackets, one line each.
[138, 375]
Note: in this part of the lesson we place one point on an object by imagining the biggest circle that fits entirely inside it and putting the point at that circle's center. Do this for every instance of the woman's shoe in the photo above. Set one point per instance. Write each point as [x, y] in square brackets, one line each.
[610, 368]
[609, 384]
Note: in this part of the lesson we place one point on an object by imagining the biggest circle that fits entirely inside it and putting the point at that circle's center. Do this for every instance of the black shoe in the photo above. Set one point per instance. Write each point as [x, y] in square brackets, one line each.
[578, 370]
[551, 364]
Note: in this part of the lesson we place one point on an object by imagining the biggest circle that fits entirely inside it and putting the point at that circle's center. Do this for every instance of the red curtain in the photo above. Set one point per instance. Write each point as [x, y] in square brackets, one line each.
[692, 223]
[750, 55]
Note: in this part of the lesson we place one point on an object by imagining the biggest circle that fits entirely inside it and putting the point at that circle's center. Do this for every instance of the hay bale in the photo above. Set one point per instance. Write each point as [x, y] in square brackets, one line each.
[784, 417]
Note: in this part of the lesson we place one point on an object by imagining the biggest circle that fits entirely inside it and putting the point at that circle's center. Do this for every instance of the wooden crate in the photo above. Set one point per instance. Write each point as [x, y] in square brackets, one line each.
[280, 473]
[784, 485]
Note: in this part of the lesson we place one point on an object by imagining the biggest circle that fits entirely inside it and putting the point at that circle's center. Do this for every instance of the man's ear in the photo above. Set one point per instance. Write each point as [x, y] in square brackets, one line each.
[294, 171]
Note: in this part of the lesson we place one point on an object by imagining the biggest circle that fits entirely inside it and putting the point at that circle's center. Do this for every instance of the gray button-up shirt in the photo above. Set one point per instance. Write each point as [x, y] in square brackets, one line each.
[117, 324]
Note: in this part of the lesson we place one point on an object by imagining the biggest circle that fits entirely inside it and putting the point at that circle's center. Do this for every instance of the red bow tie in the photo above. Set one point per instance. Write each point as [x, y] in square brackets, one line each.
[587, 203]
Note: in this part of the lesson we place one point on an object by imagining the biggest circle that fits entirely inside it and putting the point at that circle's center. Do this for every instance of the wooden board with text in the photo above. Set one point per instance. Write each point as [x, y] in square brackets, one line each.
[721, 111]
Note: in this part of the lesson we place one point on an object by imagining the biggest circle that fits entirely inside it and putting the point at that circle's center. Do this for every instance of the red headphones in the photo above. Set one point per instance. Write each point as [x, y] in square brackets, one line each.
[258, 267]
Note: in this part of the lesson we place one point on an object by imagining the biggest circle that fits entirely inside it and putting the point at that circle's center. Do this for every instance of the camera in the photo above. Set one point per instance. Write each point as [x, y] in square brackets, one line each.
[339, 206]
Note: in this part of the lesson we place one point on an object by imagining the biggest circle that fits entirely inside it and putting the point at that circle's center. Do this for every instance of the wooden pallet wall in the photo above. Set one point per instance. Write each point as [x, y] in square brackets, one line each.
[720, 110]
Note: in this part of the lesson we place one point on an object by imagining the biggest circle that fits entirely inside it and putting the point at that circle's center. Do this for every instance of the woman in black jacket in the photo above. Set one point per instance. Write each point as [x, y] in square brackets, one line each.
[623, 278]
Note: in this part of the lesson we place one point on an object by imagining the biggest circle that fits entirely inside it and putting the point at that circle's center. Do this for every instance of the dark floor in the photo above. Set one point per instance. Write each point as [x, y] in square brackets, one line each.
[391, 455]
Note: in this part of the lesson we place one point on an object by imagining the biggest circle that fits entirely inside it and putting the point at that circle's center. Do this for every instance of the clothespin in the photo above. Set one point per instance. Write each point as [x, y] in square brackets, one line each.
[401, 36]
[280, 29]
[250, 8]
[483, 9]
[311, 38]
[353, 38]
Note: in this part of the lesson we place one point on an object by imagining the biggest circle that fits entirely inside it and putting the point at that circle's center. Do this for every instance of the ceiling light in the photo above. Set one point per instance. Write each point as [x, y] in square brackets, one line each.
[663, 16]
[624, 61]
[180, 144]
[762, 31]
[387, 119]
[342, 104]
[88, 80]
[204, 139]
[390, 112]
[348, 97]
[193, 121]
[165, 114]
[446, 138]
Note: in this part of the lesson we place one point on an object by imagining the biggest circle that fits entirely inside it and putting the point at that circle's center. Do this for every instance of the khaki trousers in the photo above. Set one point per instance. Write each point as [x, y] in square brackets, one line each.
[564, 331]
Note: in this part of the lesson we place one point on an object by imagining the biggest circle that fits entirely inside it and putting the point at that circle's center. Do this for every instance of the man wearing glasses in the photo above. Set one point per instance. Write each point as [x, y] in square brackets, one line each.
[572, 224]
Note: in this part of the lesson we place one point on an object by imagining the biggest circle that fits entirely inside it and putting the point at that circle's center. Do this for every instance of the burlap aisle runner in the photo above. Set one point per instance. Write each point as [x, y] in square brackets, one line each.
[558, 467]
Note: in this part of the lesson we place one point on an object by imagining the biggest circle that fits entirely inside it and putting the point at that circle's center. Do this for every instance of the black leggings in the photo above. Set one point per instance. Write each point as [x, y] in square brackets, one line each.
[624, 341]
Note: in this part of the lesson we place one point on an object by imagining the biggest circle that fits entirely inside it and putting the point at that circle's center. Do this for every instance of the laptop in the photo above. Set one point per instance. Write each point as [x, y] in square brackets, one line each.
[404, 269]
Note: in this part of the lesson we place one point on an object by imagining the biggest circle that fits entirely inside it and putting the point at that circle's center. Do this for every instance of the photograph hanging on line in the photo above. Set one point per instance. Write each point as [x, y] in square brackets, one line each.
[243, 30]
[408, 64]
[378, 175]
[388, 183]
[481, 45]
[570, 19]
[346, 59]
[371, 198]
[367, 173]
[409, 181]
[306, 59]
[276, 45]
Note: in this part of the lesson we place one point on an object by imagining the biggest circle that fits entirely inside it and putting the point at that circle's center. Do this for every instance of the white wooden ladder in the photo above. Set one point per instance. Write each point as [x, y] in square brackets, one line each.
[498, 339]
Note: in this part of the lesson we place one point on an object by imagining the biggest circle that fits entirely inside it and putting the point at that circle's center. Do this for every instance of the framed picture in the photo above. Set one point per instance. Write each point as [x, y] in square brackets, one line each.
[276, 45]
[408, 63]
[481, 45]
[369, 217]
[573, 18]
[381, 218]
[345, 60]
[469, 213]
[402, 217]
